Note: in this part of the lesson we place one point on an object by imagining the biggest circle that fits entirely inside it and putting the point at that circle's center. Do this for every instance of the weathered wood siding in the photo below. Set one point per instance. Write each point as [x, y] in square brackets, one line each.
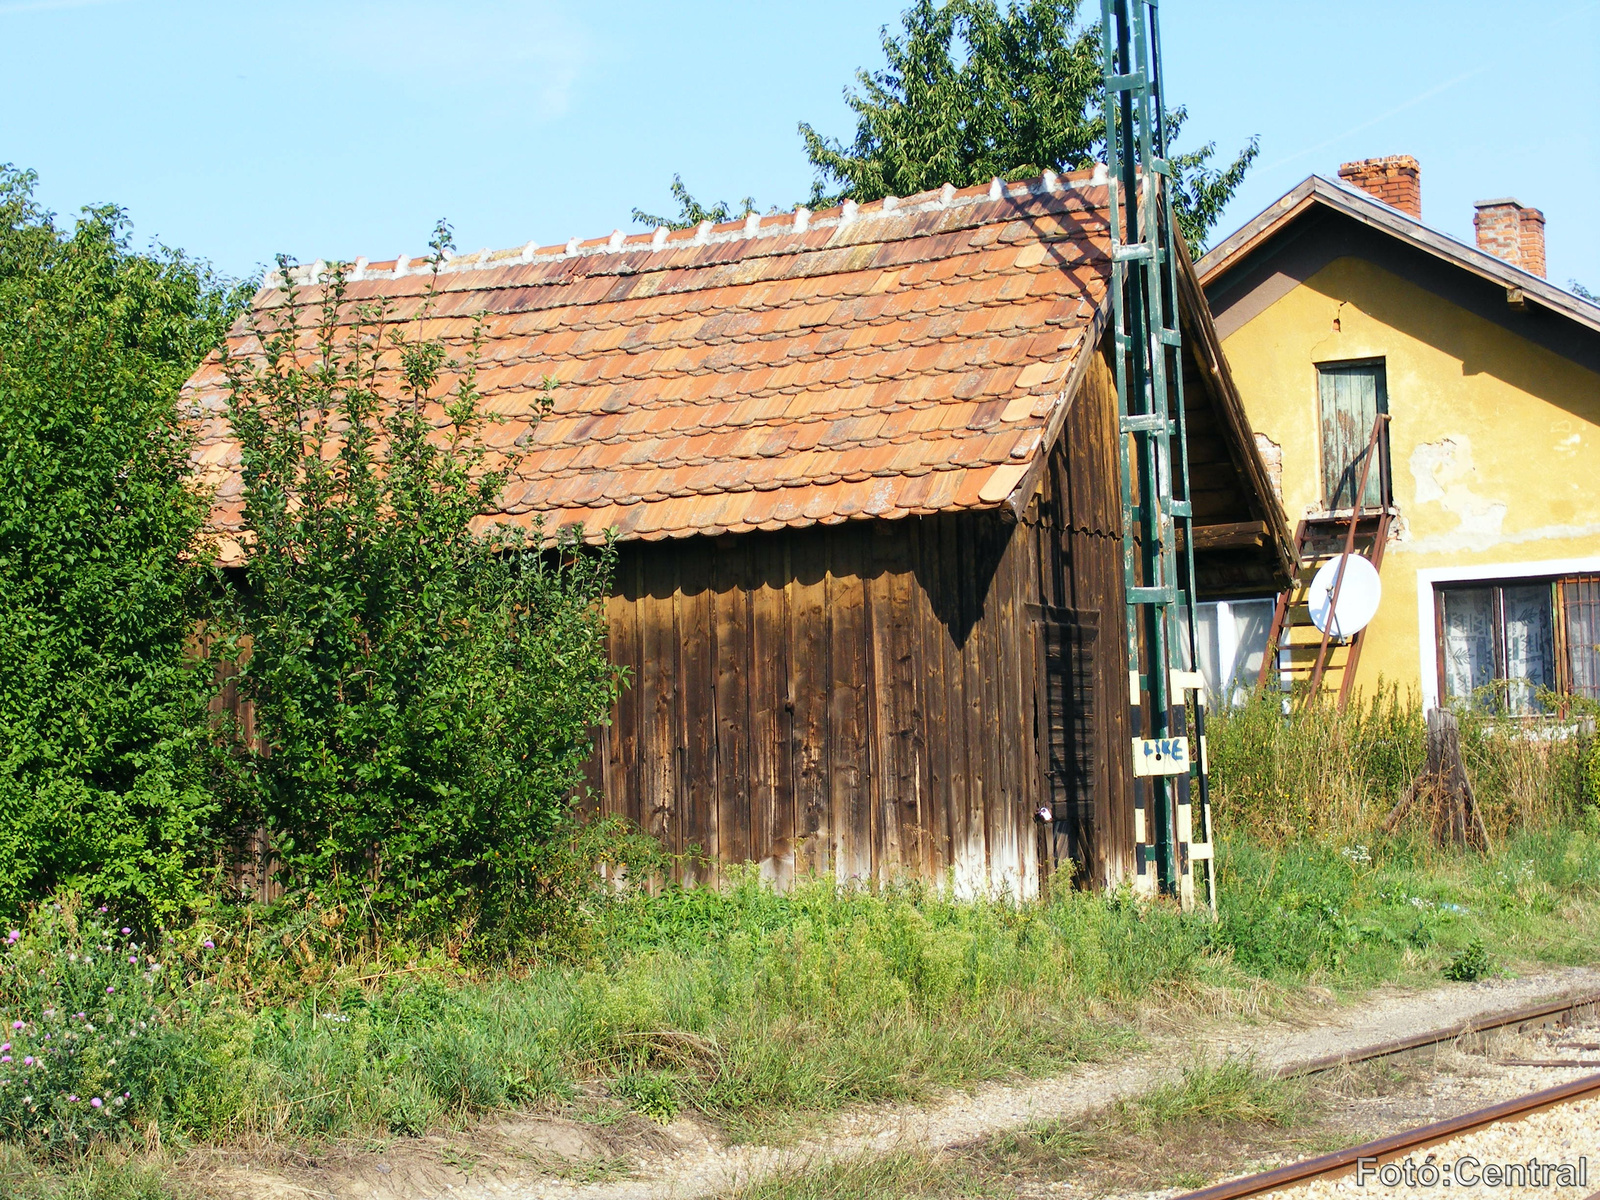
[871, 700]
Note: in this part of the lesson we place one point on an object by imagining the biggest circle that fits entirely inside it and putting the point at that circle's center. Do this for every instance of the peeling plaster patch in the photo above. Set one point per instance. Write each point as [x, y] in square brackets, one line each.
[1443, 472]
[1272, 456]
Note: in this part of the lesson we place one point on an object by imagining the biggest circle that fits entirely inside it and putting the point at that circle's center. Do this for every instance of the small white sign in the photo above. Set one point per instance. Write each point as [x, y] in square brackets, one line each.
[1161, 756]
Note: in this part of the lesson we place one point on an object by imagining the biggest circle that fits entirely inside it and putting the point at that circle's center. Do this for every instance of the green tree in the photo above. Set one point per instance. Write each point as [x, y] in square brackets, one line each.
[691, 212]
[424, 693]
[971, 90]
[104, 781]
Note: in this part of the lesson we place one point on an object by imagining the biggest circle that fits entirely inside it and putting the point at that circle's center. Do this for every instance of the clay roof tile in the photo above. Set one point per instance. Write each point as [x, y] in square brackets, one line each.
[786, 369]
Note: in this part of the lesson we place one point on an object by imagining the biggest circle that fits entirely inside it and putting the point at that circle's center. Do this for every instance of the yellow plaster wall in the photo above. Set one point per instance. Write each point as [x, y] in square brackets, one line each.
[1495, 441]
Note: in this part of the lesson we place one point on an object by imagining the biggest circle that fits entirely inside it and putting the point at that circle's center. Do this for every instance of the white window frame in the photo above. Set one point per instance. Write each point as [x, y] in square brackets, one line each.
[1429, 577]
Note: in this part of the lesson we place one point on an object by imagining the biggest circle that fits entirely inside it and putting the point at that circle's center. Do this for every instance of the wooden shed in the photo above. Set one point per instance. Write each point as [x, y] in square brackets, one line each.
[863, 466]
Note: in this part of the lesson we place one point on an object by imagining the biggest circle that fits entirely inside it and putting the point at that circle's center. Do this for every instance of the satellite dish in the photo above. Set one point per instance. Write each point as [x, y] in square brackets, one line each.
[1359, 594]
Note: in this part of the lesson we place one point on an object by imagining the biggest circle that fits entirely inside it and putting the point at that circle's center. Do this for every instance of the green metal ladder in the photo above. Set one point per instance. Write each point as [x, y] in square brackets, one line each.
[1169, 762]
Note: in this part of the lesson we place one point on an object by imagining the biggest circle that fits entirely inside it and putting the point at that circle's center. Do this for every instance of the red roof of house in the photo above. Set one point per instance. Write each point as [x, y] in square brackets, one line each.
[879, 360]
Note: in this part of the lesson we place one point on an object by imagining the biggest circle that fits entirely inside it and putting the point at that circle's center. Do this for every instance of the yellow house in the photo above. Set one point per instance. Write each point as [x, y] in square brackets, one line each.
[1336, 306]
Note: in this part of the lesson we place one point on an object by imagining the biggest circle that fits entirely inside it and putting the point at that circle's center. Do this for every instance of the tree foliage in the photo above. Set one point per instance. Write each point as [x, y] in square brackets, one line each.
[423, 691]
[103, 738]
[971, 90]
[691, 212]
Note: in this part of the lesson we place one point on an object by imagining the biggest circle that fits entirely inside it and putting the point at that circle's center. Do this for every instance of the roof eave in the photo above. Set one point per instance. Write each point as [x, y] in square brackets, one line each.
[1358, 206]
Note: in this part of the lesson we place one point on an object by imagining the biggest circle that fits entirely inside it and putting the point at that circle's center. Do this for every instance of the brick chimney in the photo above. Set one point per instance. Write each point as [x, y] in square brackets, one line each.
[1396, 180]
[1508, 230]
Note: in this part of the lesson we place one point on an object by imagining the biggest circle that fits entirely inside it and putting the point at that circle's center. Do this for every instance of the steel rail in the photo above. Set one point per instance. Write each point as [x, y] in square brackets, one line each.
[1389, 1148]
[1541, 1013]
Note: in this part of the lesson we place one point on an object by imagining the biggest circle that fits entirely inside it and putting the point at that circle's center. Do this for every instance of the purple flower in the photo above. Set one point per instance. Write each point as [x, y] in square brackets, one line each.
[111, 989]
[5, 1058]
[28, 1061]
[72, 1099]
[126, 931]
[4, 1046]
[96, 1102]
[133, 959]
[13, 936]
[209, 944]
[49, 1012]
[16, 1024]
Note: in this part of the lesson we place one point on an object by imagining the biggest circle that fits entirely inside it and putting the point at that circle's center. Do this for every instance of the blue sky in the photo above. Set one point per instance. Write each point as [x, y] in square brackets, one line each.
[346, 127]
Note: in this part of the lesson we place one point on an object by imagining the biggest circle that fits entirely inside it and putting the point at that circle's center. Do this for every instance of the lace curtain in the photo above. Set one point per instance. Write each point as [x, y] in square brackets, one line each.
[1499, 633]
[1469, 657]
[1530, 646]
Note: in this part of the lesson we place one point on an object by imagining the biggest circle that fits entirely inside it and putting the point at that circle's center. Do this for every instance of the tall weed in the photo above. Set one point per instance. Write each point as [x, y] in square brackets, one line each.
[1334, 776]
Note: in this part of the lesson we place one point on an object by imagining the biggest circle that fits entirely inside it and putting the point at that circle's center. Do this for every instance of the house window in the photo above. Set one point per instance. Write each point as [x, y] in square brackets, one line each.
[1231, 638]
[1503, 644]
[1580, 605]
[1351, 395]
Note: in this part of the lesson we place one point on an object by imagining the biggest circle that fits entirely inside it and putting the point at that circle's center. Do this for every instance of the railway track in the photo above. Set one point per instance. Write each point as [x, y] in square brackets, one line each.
[1549, 1012]
[1399, 1146]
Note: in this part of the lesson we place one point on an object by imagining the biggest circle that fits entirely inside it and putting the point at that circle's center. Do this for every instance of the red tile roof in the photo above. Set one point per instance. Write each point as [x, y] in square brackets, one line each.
[877, 360]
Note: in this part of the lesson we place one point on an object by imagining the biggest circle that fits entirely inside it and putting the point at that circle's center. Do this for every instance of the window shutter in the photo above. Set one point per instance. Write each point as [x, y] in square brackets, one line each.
[1351, 397]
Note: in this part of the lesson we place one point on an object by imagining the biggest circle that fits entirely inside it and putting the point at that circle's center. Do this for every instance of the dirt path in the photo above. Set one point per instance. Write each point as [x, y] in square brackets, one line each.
[547, 1159]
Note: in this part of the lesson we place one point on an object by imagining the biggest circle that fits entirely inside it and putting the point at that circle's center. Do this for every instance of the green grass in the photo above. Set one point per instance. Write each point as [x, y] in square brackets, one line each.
[898, 1175]
[1357, 915]
[107, 1175]
[753, 1007]
[1168, 1123]
[742, 1004]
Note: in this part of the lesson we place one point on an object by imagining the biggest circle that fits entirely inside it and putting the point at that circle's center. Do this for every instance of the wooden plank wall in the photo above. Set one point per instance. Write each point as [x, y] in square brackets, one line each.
[861, 700]
[1079, 527]
[854, 700]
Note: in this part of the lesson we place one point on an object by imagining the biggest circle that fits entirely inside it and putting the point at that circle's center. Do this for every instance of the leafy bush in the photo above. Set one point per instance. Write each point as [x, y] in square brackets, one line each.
[103, 739]
[654, 1093]
[423, 692]
[1471, 963]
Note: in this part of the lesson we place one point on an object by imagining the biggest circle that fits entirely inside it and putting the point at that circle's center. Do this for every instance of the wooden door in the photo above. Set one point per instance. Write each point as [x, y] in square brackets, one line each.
[1068, 713]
